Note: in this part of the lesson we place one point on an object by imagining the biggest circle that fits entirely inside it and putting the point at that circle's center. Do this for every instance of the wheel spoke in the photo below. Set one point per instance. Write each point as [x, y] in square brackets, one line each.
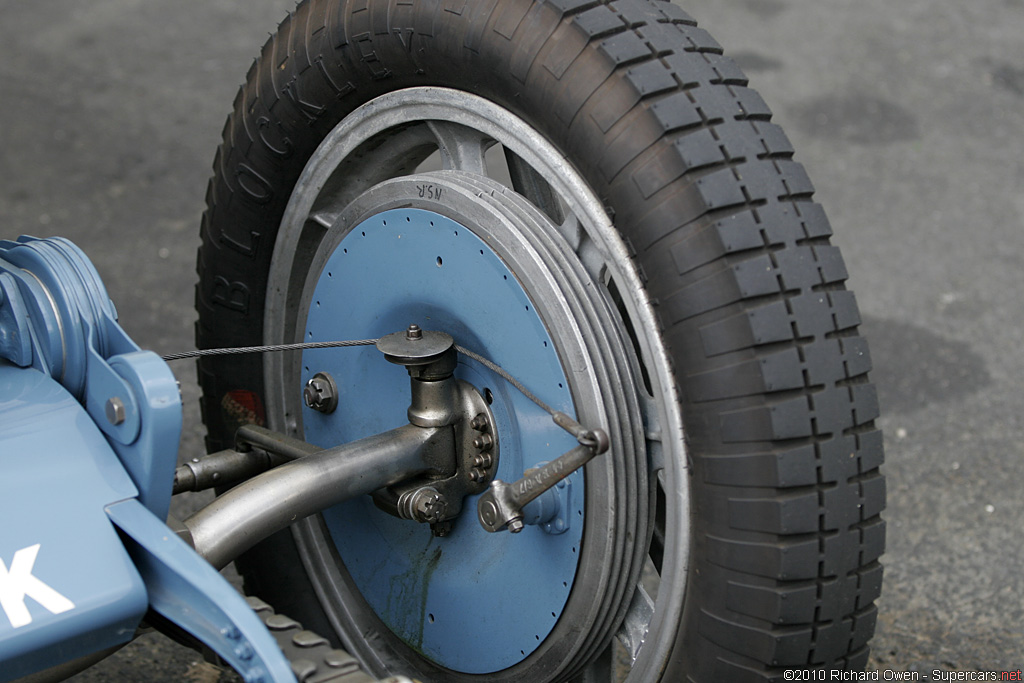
[634, 627]
[571, 229]
[461, 147]
[531, 184]
[324, 219]
[653, 435]
[395, 153]
[592, 258]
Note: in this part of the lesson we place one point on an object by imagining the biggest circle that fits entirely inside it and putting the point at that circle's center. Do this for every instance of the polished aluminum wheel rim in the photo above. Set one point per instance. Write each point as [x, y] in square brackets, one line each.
[555, 208]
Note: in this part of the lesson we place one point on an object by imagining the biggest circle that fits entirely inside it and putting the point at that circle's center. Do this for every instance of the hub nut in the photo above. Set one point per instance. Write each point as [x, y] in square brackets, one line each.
[431, 507]
[321, 393]
[423, 505]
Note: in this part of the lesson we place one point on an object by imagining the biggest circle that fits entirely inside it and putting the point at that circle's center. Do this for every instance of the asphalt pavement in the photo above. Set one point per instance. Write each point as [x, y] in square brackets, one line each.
[908, 115]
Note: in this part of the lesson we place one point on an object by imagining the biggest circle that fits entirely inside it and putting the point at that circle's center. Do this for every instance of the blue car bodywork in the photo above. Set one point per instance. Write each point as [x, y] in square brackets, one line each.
[89, 431]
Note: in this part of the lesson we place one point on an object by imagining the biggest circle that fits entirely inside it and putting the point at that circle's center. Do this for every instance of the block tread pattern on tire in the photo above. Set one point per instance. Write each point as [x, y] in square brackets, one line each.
[749, 294]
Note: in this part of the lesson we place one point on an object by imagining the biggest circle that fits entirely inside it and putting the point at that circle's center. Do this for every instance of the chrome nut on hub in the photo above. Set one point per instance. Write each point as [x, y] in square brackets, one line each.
[321, 393]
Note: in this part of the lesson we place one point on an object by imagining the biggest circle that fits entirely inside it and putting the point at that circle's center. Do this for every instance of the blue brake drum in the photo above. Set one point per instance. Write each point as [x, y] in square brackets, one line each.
[447, 598]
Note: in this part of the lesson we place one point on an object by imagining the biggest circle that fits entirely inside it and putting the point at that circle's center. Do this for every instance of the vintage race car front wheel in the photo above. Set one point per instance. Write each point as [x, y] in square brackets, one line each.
[588, 194]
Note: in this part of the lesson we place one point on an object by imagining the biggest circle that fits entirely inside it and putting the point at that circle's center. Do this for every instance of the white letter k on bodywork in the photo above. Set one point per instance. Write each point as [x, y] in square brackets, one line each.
[18, 582]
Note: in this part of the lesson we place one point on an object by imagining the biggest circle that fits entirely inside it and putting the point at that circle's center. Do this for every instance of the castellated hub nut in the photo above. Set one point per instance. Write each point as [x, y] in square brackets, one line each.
[321, 393]
[423, 505]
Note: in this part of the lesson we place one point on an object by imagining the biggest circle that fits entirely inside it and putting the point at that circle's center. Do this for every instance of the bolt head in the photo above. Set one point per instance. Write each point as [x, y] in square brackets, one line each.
[515, 526]
[320, 393]
[441, 529]
[479, 423]
[414, 332]
[115, 411]
[484, 442]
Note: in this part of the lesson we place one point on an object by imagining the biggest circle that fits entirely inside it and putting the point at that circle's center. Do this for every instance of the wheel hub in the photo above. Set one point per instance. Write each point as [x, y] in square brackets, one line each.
[440, 400]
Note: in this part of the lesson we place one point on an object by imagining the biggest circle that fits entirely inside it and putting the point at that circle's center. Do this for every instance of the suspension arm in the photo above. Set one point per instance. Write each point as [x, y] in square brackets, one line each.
[257, 508]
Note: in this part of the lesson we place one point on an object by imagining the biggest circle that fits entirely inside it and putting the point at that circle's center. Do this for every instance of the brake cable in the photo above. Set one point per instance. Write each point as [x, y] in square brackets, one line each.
[586, 437]
[273, 347]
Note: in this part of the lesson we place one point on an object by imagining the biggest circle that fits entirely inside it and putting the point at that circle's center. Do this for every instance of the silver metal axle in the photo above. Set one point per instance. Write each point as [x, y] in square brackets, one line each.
[267, 503]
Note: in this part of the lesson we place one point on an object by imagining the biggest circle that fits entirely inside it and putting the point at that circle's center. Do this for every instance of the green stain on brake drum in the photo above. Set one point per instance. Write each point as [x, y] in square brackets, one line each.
[407, 601]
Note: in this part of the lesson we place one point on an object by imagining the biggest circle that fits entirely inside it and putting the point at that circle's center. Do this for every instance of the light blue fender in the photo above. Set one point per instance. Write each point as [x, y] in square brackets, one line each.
[67, 585]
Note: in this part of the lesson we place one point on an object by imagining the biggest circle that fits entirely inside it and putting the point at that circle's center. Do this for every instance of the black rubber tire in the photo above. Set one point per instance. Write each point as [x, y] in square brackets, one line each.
[779, 415]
